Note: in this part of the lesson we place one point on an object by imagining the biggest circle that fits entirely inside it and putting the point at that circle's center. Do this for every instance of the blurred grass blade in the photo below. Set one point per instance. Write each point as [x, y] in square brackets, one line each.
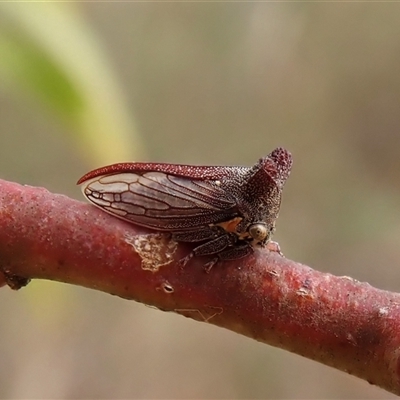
[49, 50]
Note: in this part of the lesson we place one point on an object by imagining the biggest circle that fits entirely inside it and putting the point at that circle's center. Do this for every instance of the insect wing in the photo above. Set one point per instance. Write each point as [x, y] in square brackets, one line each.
[159, 200]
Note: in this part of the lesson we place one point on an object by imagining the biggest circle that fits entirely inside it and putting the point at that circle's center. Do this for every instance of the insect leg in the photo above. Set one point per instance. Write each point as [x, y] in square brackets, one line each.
[233, 253]
[212, 247]
[215, 246]
[198, 235]
[237, 252]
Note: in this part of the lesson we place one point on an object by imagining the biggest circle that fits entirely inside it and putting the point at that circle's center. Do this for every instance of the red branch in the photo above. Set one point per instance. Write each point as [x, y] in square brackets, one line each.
[337, 321]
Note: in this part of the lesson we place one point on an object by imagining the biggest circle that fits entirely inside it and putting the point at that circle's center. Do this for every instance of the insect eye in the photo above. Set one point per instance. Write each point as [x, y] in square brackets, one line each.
[259, 232]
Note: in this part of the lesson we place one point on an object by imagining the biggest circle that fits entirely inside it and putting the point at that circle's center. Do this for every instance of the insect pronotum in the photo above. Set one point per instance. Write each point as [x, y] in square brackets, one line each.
[226, 211]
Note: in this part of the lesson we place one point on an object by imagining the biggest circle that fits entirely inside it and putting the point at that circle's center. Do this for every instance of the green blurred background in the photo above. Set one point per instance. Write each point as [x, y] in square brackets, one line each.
[86, 84]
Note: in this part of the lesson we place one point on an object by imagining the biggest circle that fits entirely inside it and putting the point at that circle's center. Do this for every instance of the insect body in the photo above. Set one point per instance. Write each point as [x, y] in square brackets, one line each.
[226, 210]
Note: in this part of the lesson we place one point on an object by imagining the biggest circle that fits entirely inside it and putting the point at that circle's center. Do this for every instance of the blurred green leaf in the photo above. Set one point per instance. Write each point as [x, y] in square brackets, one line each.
[49, 50]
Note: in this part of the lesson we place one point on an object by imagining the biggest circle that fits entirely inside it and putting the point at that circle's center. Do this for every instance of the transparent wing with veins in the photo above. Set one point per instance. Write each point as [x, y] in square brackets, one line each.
[161, 201]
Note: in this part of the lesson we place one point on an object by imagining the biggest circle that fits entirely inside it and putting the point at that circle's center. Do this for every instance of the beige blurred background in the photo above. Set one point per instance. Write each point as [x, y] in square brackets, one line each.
[86, 84]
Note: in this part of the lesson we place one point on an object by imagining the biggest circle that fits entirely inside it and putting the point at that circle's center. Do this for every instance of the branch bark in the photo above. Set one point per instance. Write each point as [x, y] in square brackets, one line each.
[337, 321]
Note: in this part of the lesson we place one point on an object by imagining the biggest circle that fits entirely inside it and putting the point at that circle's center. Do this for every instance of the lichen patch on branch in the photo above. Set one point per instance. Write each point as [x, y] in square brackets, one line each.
[155, 250]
